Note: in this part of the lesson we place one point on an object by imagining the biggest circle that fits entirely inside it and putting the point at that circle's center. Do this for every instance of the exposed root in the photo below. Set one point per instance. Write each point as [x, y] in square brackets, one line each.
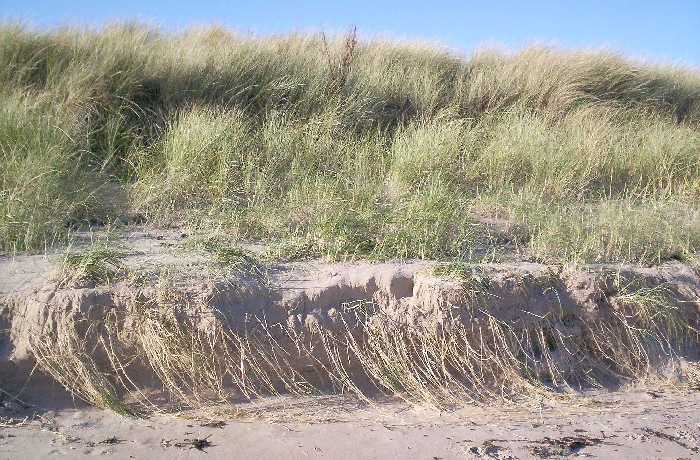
[173, 353]
[65, 353]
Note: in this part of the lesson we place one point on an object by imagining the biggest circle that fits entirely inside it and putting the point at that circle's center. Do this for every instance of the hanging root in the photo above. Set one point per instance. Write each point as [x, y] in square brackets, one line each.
[170, 352]
[66, 351]
[647, 329]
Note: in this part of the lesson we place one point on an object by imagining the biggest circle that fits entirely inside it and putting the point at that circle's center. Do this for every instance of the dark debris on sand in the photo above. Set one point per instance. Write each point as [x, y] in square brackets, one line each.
[568, 445]
[200, 444]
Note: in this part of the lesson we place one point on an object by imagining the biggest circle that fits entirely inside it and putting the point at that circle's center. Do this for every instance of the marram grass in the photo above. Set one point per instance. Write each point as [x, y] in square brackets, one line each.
[344, 148]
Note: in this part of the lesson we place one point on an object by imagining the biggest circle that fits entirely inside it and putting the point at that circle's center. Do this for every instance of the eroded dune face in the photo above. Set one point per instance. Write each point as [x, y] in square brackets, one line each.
[489, 331]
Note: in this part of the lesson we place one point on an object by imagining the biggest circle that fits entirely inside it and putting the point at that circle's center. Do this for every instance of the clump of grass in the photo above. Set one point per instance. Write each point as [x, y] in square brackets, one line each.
[43, 187]
[611, 231]
[471, 276]
[213, 173]
[100, 263]
[229, 255]
[290, 249]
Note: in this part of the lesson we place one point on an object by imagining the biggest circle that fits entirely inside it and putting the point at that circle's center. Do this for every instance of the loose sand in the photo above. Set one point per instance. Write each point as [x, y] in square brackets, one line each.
[630, 424]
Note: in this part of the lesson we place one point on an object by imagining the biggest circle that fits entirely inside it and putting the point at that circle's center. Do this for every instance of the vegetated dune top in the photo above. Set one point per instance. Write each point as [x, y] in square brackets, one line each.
[342, 148]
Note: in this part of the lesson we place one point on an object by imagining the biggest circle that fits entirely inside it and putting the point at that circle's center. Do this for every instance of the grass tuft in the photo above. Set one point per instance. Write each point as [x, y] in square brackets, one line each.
[98, 264]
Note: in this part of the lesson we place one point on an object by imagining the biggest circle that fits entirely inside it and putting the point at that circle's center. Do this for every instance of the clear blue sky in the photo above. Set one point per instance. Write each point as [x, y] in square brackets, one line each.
[666, 31]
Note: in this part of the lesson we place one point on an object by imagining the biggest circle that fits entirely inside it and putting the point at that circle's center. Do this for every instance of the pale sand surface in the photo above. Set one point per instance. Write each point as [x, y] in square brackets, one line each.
[625, 424]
